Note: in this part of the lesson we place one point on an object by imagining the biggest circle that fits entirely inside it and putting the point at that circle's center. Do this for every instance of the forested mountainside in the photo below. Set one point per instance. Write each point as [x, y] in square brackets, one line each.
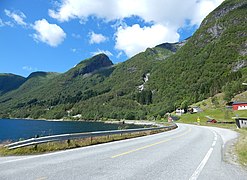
[147, 85]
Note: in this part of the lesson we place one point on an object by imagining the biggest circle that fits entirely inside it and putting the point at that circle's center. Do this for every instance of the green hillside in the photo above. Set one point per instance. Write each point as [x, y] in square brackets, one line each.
[147, 85]
[10, 82]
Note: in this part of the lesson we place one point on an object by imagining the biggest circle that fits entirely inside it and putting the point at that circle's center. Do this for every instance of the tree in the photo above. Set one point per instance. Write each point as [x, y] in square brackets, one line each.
[129, 116]
[184, 105]
[144, 97]
[215, 101]
[158, 118]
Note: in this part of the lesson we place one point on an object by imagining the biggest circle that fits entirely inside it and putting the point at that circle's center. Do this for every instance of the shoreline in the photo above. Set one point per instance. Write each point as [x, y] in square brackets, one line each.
[111, 121]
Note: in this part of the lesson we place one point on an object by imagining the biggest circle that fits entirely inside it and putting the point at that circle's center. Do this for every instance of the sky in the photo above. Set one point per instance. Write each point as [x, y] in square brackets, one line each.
[55, 35]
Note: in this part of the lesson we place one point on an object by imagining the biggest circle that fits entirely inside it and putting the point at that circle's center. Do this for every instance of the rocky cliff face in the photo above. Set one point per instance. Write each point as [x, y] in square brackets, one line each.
[173, 47]
[225, 8]
[226, 16]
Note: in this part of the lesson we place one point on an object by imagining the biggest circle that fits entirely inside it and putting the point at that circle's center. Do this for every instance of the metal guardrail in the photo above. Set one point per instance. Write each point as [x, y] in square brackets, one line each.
[63, 137]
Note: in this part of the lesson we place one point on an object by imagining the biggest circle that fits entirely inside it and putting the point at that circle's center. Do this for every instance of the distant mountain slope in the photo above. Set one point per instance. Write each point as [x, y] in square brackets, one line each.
[43, 90]
[35, 80]
[147, 85]
[9, 82]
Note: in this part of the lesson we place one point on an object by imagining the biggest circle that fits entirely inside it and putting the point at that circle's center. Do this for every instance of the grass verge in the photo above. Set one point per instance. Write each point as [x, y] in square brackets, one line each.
[241, 147]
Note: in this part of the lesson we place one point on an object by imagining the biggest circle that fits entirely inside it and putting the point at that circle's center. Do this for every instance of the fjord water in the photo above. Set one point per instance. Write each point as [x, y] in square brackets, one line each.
[15, 129]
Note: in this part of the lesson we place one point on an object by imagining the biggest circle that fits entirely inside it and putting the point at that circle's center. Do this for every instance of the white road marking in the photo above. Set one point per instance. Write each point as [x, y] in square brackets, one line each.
[199, 169]
[213, 143]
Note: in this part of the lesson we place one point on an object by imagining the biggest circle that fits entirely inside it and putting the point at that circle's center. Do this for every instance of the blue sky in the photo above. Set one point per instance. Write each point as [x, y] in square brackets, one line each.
[42, 35]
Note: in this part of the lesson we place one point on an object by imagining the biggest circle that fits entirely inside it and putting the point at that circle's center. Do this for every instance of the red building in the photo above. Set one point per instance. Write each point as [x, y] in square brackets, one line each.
[239, 106]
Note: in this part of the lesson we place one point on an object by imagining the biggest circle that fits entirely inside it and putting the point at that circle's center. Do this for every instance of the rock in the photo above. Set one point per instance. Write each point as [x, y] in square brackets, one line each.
[239, 65]
[216, 30]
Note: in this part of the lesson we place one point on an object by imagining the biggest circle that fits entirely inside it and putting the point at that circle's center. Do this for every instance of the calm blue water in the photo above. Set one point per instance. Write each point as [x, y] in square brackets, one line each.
[14, 129]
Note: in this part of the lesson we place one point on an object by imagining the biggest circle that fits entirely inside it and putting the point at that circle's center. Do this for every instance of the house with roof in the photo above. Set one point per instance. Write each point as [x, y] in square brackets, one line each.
[180, 111]
[239, 106]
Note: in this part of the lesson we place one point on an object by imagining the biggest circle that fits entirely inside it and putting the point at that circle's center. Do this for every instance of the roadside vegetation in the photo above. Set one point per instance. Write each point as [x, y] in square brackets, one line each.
[241, 147]
[63, 145]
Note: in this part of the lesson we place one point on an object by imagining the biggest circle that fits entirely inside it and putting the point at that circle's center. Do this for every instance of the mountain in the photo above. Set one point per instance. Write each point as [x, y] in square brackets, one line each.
[147, 85]
[213, 60]
[10, 82]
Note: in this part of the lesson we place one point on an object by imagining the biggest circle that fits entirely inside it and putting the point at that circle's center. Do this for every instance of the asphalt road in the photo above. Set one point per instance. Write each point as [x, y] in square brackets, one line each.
[189, 152]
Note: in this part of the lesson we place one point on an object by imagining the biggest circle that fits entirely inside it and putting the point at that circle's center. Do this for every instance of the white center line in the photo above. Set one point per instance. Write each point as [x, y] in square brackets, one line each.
[213, 143]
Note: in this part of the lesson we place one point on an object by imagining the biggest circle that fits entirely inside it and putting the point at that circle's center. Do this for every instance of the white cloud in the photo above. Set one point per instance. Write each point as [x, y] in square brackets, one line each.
[118, 24]
[96, 38]
[29, 68]
[203, 9]
[18, 17]
[50, 34]
[73, 50]
[77, 36]
[166, 15]
[119, 54]
[99, 51]
[6, 23]
[1, 23]
[164, 12]
[135, 39]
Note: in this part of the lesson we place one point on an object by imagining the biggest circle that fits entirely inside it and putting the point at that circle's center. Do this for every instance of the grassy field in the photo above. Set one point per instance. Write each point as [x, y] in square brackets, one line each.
[223, 116]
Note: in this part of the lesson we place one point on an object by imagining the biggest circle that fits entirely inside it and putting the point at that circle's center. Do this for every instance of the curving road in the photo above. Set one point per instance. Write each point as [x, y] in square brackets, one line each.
[189, 152]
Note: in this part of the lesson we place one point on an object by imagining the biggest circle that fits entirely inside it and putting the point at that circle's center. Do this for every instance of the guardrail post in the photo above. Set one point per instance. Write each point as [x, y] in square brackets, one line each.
[68, 142]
